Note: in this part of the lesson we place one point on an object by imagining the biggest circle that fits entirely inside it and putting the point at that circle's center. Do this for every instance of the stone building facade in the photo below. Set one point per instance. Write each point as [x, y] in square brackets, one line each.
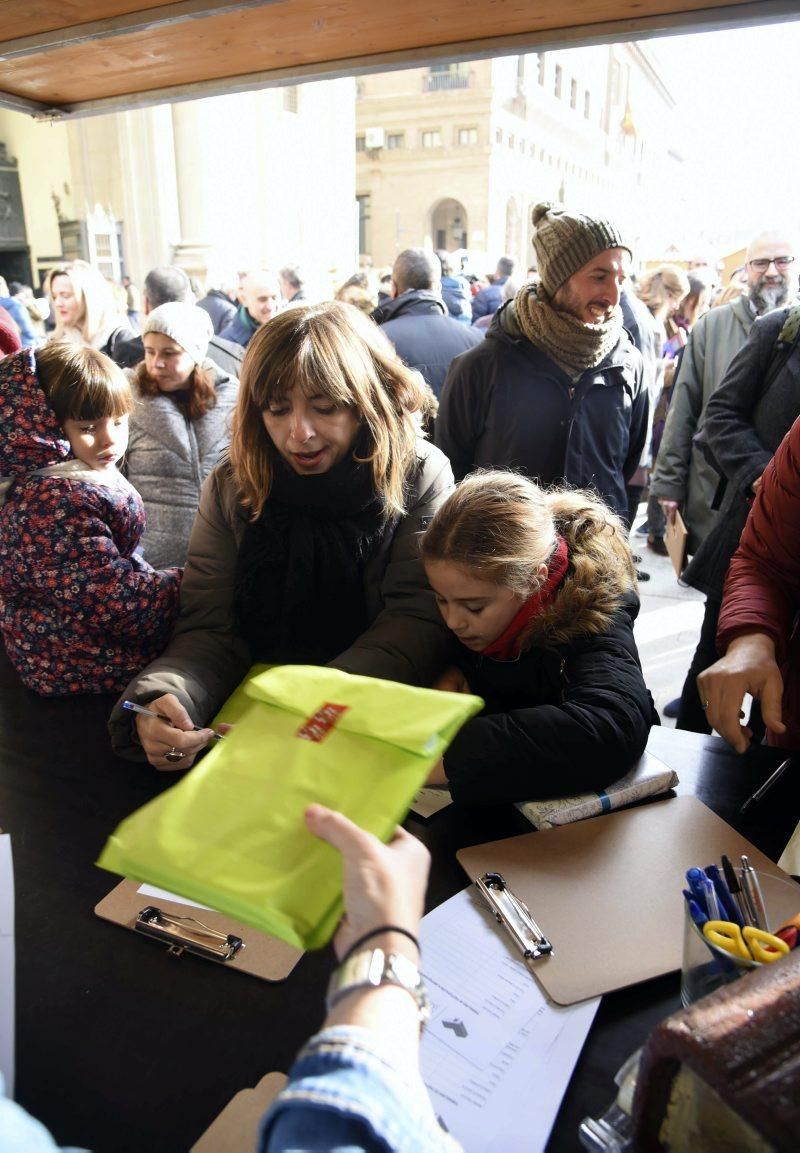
[455, 156]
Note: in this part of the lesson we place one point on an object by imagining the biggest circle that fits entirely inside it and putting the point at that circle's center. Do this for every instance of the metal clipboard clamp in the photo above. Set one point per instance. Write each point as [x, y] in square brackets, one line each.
[516, 917]
[187, 935]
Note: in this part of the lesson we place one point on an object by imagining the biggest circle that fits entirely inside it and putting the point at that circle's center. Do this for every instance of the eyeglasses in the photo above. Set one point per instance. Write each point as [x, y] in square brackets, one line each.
[763, 262]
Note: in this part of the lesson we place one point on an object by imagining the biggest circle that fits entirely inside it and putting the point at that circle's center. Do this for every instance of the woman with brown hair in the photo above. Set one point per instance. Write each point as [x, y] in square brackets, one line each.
[305, 545]
[179, 428]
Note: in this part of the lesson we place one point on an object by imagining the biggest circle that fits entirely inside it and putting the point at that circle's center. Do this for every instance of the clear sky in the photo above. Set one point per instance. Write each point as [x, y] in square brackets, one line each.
[738, 124]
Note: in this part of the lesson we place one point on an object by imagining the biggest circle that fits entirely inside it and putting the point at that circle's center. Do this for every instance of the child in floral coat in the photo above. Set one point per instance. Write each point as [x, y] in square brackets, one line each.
[80, 611]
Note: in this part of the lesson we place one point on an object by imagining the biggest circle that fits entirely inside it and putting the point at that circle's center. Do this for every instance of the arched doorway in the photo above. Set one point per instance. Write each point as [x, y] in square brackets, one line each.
[449, 225]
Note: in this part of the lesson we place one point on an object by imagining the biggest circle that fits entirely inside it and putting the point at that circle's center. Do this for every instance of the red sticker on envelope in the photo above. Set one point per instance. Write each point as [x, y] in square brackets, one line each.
[322, 723]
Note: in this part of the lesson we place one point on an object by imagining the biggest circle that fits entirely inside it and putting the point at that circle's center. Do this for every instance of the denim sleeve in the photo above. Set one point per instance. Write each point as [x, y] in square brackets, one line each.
[345, 1094]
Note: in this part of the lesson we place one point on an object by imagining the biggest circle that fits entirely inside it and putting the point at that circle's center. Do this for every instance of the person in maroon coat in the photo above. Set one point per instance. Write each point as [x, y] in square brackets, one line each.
[759, 611]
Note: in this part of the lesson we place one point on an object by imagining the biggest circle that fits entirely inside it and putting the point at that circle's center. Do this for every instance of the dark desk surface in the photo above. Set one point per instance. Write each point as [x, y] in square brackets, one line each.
[121, 1049]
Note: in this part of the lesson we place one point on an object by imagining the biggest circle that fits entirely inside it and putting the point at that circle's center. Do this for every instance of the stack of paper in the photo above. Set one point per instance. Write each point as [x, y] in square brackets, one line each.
[647, 778]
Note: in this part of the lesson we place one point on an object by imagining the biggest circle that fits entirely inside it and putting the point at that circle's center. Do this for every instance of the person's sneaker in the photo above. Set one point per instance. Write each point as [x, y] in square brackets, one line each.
[642, 576]
[671, 708]
[643, 528]
[657, 544]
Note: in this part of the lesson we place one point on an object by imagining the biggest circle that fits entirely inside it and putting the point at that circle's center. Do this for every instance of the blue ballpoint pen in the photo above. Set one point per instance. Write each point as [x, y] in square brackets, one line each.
[715, 913]
[728, 907]
[132, 707]
[696, 880]
[695, 912]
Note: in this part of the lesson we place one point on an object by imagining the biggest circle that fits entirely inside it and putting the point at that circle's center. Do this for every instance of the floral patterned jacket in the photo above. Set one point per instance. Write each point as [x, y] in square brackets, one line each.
[80, 611]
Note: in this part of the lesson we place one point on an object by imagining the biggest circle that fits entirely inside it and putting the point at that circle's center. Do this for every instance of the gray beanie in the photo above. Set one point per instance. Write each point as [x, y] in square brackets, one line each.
[186, 324]
[565, 241]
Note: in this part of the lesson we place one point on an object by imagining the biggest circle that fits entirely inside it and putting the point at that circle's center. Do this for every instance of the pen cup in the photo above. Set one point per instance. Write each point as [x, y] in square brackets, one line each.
[706, 967]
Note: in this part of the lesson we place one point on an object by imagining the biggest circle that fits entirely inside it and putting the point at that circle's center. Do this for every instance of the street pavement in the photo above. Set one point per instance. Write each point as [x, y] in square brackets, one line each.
[668, 625]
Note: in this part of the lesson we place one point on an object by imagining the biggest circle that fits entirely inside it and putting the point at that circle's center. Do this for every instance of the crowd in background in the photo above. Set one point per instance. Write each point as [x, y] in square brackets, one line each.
[431, 479]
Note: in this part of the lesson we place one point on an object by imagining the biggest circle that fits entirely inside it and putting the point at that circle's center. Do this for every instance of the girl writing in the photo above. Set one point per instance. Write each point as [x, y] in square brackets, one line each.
[81, 611]
[539, 591]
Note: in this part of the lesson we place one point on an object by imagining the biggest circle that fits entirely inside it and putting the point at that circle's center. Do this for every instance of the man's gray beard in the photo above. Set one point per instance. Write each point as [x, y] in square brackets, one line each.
[767, 297]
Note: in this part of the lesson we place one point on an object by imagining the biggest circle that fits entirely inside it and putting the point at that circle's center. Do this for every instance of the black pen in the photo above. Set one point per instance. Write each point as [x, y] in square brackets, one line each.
[734, 887]
[134, 708]
[770, 781]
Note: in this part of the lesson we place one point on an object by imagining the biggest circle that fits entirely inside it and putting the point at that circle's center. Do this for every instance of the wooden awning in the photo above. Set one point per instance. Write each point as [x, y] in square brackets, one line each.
[60, 58]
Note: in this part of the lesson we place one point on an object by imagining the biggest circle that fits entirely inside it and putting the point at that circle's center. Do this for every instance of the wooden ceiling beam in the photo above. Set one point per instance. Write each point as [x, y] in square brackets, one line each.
[141, 20]
[303, 40]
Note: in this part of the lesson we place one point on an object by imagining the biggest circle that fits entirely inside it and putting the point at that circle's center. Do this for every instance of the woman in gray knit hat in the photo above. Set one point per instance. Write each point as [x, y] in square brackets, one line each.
[179, 427]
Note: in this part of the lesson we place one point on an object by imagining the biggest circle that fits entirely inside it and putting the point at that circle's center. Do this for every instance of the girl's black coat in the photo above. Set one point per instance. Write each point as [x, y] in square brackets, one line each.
[571, 715]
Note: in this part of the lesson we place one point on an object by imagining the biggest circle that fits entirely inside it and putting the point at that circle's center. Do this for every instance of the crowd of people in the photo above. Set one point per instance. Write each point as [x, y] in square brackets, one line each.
[433, 485]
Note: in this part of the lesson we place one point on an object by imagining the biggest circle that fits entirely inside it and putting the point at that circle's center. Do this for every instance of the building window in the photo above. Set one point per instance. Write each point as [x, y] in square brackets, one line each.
[361, 143]
[445, 77]
[290, 98]
[522, 146]
[511, 140]
[540, 66]
[533, 151]
[363, 222]
[499, 135]
[467, 136]
[431, 138]
[558, 80]
[395, 140]
[573, 93]
[587, 105]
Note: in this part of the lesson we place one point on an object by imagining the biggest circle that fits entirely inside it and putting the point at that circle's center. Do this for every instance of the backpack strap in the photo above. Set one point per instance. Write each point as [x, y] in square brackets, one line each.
[785, 345]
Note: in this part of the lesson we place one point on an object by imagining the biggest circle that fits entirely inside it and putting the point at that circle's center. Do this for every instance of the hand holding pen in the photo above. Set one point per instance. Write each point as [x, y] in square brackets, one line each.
[166, 732]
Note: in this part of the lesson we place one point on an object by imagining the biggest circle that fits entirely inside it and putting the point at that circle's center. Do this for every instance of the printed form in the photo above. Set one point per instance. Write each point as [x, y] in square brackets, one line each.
[497, 1055]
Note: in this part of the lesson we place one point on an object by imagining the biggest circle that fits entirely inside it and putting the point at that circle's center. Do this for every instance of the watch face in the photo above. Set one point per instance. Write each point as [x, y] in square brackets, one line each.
[373, 967]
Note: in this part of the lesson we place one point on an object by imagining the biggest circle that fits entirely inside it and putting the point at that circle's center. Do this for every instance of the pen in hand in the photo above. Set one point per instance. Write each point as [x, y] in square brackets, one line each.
[134, 708]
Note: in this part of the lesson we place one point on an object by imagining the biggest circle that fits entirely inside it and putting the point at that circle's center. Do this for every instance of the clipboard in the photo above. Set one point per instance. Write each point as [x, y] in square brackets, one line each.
[606, 892]
[236, 1128]
[676, 535]
[218, 938]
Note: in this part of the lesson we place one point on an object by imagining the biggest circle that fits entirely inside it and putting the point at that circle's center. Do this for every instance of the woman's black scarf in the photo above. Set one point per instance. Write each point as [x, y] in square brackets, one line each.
[299, 579]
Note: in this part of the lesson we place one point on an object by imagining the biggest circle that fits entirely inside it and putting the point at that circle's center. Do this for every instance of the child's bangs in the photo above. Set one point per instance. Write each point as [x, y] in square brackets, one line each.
[97, 396]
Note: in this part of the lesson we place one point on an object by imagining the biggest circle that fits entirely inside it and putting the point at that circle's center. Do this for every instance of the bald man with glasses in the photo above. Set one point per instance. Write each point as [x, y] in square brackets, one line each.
[683, 478]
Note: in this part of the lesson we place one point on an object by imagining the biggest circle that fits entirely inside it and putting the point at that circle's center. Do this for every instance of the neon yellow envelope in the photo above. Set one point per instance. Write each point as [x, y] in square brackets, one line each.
[231, 834]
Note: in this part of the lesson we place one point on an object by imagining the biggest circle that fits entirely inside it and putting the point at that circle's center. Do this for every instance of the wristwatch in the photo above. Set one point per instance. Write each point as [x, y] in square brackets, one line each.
[371, 968]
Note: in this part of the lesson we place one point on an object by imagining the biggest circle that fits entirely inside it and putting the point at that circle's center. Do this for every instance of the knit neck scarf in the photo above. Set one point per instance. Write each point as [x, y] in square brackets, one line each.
[508, 645]
[573, 345]
[299, 580]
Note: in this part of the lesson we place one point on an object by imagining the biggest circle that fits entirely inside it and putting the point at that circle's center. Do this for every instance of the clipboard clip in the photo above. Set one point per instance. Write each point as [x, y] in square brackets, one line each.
[187, 935]
[516, 917]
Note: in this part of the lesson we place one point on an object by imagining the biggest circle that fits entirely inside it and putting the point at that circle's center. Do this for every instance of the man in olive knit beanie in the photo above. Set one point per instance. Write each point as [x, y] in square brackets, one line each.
[556, 388]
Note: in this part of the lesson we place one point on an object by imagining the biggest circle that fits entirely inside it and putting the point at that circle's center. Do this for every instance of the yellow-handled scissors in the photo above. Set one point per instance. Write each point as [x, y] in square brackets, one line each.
[749, 943]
